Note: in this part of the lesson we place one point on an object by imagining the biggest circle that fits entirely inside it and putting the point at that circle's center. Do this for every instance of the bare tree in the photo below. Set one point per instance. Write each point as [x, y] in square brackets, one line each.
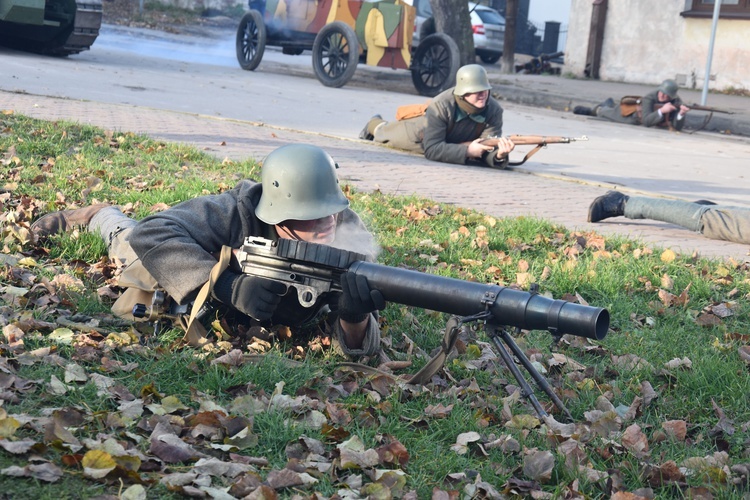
[452, 18]
[509, 45]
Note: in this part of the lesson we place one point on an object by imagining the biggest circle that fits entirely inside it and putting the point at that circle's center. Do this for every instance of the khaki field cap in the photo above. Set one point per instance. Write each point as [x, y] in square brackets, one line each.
[300, 183]
[669, 87]
[471, 78]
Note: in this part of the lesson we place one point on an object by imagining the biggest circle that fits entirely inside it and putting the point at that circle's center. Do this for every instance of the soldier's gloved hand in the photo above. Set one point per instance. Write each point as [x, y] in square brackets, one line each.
[257, 297]
[357, 299]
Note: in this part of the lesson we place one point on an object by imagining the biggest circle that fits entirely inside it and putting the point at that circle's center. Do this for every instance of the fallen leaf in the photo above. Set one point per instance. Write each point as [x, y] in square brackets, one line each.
[539, 465]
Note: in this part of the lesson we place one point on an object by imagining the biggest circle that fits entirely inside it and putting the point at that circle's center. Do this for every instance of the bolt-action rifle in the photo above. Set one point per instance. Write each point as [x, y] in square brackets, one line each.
[540, 141]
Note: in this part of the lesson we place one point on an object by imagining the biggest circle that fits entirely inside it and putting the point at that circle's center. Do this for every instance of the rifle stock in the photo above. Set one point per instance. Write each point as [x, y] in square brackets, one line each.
[536, 140]
[539, 141]
[314, 269]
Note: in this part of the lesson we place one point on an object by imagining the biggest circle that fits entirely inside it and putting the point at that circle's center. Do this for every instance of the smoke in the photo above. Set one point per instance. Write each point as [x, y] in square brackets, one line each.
[218, 49]
[353, 237]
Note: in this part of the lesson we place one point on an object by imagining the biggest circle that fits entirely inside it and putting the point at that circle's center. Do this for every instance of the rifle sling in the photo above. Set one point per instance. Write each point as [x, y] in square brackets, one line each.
[195, 333]
[528, 155]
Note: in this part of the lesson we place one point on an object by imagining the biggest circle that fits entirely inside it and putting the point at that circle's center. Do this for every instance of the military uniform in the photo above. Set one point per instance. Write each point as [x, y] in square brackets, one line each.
[177, 249]
[717, 222]
[646, 115]
[714, 221]
[440, 133]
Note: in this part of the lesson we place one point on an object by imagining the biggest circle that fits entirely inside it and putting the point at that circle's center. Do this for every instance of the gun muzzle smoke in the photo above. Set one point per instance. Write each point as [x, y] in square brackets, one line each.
[464, 298]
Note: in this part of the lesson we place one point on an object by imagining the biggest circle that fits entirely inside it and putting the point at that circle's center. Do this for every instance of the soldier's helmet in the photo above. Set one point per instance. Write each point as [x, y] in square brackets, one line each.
[299, 182]
[669, 87]
[471, 78]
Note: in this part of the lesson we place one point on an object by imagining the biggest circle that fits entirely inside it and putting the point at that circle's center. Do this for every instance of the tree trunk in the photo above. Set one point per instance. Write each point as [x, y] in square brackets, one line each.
[509, 52]
[452, 18]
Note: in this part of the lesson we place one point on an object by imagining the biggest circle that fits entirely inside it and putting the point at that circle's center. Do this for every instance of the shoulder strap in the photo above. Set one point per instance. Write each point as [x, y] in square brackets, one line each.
[195, 333]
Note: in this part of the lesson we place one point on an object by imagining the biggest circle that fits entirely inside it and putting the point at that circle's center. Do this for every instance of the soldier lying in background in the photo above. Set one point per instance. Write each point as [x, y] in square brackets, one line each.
[660, 108]
[451, 128]
[718, 222]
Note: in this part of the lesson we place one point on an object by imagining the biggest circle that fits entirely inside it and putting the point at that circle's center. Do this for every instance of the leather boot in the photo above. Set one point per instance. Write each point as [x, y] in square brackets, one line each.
[704, 202]
[611, 204]
[367, 132]
[583, 110]
[64, 220]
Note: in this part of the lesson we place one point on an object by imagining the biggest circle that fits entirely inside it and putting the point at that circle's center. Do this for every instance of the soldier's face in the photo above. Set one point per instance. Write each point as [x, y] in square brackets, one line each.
[322, 231]
[478, 99]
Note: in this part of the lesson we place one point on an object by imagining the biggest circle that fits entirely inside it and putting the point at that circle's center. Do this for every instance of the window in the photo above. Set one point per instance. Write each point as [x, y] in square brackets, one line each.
[729, 9]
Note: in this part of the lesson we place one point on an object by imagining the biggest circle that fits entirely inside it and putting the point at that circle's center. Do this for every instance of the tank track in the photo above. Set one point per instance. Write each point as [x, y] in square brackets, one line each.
[86, 26]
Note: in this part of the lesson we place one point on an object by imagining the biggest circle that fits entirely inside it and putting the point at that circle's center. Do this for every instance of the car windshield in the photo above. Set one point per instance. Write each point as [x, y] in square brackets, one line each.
[489, 16]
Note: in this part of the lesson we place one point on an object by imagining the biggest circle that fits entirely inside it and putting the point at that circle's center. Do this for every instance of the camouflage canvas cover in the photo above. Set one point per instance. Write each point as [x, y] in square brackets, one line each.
[384, 29]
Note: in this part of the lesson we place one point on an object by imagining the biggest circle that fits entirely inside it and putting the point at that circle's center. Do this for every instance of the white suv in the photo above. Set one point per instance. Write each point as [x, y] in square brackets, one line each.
[487, 25]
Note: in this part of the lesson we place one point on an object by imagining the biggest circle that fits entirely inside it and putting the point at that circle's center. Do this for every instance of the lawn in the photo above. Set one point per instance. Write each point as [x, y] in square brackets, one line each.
[95, 406]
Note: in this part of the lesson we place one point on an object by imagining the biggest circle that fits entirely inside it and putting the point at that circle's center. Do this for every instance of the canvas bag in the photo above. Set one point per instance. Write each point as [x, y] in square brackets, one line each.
[411, 111]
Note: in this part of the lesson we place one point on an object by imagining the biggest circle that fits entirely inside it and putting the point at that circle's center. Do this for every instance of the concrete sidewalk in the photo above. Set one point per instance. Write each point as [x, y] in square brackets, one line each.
[371, 167]
[563, 94]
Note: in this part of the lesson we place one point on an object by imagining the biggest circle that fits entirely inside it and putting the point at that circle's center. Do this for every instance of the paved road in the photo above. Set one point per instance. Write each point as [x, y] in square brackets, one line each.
[209, 103]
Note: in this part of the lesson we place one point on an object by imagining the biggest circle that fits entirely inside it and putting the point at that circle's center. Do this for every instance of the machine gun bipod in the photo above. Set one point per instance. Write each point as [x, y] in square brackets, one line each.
[500, 336]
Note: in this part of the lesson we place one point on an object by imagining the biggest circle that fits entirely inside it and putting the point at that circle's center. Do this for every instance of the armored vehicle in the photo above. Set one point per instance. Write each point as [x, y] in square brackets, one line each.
[342, 33]
[56, 27]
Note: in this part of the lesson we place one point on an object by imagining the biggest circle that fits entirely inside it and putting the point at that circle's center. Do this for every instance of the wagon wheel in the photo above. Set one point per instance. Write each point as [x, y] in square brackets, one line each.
[335, 54]
[251, 40]
[434, 65]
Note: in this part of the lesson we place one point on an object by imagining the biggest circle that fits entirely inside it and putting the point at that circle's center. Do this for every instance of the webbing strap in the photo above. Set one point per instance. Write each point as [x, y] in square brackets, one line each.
[424, 375]
[195, 333]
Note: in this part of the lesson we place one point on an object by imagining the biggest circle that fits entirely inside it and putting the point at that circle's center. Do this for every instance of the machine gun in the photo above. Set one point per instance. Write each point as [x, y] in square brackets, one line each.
[540, 65]
[540, 141]
[314, 269]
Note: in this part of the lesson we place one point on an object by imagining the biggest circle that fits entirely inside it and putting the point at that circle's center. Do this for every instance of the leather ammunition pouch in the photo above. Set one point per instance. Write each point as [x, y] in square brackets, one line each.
[630, 104]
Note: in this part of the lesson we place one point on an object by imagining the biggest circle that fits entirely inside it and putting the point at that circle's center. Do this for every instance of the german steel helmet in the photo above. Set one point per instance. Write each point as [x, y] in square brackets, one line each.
[299, 182]
[471, 78]
[669, 87]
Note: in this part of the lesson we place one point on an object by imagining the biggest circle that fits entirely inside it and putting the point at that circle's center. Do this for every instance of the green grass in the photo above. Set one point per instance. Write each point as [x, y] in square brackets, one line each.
[57, 165]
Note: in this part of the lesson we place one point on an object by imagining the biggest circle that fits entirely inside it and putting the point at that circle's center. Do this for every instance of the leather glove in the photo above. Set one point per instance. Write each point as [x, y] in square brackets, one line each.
[251, 295]
[357, 299]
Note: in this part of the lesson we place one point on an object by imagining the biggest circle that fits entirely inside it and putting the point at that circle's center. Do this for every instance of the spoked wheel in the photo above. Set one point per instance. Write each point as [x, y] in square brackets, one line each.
[335, 54]
[251, 40]
[435, 63]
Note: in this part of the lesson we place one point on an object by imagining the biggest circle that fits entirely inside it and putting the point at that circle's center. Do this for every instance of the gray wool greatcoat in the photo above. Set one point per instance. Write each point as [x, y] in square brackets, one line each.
[440, 137]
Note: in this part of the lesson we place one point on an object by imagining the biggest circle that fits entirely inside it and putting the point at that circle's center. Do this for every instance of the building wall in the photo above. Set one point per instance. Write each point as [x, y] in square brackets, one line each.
[644, 43]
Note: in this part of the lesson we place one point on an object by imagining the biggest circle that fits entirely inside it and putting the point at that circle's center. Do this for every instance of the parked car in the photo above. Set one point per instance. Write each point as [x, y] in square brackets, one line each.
[487, 24]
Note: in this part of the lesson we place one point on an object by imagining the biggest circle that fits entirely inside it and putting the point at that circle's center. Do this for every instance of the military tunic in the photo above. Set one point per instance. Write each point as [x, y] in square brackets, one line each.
[178, 248]
[646, 116]
[441, 132]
